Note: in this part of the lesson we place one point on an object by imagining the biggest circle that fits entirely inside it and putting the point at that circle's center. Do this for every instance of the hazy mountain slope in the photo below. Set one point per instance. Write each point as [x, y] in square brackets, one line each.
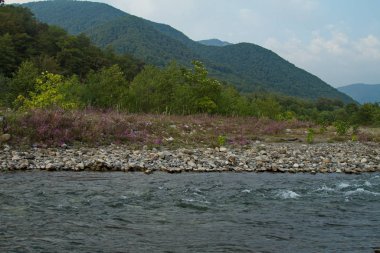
[247, 66]
[214, 42]
[363, 93]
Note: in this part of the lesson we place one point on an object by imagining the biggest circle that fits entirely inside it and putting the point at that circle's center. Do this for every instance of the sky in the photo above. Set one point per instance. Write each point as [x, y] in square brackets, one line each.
[336, 40]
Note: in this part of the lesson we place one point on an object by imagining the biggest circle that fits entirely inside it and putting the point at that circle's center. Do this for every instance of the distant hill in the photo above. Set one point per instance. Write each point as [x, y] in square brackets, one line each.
[214, 42]
[363, 93]
[247, 66]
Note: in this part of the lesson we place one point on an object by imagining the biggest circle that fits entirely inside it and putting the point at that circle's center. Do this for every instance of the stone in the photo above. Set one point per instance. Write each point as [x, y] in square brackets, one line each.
[49, 167]
[296, 165]
[170, 139]
[364, 160]
[16, 157]
[5, 138]
[223, 149]
[148, 171]
[191, 164]
[80, 166]
[326, 160]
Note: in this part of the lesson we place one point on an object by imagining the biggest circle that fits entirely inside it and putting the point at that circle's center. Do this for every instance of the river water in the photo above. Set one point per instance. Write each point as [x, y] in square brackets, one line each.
[116, 212]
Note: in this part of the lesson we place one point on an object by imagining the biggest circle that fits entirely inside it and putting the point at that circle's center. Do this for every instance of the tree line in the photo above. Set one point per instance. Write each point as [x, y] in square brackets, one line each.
[44, 67]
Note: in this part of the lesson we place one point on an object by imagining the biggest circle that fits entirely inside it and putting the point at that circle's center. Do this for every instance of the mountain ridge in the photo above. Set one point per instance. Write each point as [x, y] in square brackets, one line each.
[214, 42]
[247, 66]
[363, 93]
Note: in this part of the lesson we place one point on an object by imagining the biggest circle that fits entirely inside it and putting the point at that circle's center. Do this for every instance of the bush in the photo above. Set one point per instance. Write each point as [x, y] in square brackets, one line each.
[222, 140]
[342, 127]
[310, 136]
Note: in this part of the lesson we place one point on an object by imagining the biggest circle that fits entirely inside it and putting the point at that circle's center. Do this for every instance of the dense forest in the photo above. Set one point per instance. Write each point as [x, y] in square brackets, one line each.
[44, 67]
[248, 67]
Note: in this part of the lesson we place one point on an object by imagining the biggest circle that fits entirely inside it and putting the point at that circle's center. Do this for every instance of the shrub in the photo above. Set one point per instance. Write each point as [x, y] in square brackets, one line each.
[310, 136]
[342, 127]
[51, 91]
[222, 140]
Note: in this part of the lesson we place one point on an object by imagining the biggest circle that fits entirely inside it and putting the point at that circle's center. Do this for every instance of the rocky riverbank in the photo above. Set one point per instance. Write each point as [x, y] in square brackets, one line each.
[348, 157]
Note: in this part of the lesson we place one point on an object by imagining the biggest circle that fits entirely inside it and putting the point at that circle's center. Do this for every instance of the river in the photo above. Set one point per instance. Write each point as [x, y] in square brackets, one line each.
[227, 212]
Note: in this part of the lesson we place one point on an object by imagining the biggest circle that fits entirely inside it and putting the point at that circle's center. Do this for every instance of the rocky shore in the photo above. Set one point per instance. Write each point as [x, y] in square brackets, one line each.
[348, 157]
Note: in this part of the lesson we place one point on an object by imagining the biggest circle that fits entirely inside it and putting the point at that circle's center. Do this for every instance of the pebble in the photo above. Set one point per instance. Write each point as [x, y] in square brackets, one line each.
[223, 149]
[352, 158]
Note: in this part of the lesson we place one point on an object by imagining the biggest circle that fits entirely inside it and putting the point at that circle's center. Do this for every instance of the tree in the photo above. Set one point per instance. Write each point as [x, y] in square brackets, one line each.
[206, 90]
[51, 91]
[23, 82]
[8, 59]
[2, 2]
[105, 88]
[153, 90]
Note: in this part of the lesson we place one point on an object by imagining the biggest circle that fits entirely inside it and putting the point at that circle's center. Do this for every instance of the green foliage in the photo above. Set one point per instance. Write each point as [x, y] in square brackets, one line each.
[268, 107]
[323, 128]
[310, 136]
[8, 60]
[222, 140]
[250, 68]
[80, 74]
[23, 38]
[153, 90]
[105, 89]
[342, 127]
[206, 91]
[3, 90]
[174, 90]
[51, 91]
[23, 81]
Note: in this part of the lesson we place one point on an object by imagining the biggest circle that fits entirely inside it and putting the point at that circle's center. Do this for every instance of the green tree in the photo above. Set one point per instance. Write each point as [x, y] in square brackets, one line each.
[106, 88]
[365, 114]
[154, 89]
[23, 82]
[8, 59]
[206, 90]
[4, 86]
[51, 91]
[231, 102]
[268, 107]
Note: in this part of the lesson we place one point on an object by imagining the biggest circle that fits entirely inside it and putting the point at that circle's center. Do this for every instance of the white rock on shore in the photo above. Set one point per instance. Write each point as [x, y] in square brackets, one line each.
[346, 157]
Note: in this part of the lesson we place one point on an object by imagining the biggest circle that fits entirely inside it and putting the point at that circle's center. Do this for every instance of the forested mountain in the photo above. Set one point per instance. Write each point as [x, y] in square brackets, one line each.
[363, 93]
[215, 43]
[22, 38]
[247, 66]
[28, 47]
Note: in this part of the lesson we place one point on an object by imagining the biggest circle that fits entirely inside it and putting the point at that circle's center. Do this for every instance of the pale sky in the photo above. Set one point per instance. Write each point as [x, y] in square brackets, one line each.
[337, 40]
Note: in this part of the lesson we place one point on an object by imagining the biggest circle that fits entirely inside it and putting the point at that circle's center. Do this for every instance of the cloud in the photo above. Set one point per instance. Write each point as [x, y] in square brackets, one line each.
[334, 57]
[368, 47]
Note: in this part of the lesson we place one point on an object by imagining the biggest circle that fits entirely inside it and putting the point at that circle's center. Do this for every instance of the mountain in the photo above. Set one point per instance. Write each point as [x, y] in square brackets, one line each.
[214, 42]
[247, 66]
[363, 93]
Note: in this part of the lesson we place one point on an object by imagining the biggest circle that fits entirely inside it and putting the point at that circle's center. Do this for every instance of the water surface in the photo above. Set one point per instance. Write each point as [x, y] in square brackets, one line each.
[117, 212]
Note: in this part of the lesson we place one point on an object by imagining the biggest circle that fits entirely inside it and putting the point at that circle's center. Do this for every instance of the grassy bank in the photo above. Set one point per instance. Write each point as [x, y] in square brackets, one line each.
[49, 128]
